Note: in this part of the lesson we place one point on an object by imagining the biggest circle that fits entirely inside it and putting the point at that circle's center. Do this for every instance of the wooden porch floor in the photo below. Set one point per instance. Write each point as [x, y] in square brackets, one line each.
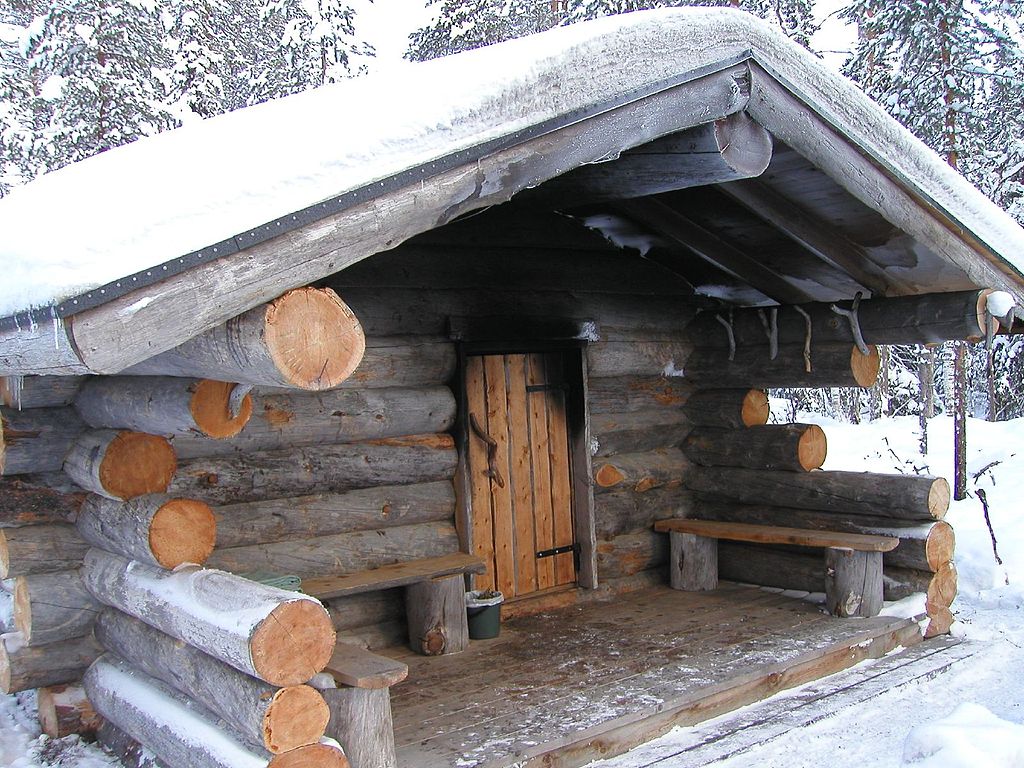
[589, 681]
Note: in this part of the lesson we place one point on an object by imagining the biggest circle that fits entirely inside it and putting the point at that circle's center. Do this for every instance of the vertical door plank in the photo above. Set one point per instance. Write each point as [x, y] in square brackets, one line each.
[541, 464]
[501, 497]
[522, 491]
[561, 479]
[480, 490]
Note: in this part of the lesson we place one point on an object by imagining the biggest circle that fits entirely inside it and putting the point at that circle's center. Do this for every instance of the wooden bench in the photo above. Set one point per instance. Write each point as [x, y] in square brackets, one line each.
[435, 602]
[852, 569]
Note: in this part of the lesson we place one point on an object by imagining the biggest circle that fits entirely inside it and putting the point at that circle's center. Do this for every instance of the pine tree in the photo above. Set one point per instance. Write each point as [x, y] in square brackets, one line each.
[196, 44]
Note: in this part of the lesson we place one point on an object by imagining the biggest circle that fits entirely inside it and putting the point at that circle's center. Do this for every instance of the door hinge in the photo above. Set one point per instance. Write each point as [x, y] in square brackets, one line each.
[574, 548]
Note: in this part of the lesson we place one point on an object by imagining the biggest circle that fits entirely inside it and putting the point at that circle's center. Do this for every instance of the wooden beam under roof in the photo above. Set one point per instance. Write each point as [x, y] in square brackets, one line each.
[672, 224]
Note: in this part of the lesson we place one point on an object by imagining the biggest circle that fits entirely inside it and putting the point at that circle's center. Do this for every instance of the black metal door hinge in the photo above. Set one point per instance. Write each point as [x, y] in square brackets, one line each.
[574, 548]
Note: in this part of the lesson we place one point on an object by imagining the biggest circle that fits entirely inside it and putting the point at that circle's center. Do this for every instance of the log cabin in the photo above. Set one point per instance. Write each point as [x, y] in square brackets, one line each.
[305, 373]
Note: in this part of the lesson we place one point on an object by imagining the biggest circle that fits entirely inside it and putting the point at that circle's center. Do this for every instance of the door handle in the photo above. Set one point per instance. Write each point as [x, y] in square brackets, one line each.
[492, 451]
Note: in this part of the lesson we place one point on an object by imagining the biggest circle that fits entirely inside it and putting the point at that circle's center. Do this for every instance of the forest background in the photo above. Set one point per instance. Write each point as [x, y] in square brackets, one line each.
[78, 77]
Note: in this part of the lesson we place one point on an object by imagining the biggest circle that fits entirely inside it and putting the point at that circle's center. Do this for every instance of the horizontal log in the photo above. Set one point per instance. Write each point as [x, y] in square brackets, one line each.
[367, 608]
[50, 607]
[920, 319]
[637, 358]
[121, 465]
[250, 626]
[626, 394]
[792, 447]
[405, 361]
[923, 547]
[156, 529]
[20, 392]
[833, 364]
[342, 553]
[385, 634]
[622, 510]
[630, 553]
[46, 497]
[728, 408]
[336, 416]
[40, 549]
[308, 338]
[23, 667]
[64, 710]
[641, 471]
[639, 431]
[260, 475]
[903, 497]
[325, 514]
[129, 752]
[939, 588]
[274, 719]
[36, 440]
[162, 405]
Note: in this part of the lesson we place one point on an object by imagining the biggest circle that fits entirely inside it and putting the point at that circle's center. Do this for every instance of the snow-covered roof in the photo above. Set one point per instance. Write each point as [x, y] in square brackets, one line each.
[126, 218]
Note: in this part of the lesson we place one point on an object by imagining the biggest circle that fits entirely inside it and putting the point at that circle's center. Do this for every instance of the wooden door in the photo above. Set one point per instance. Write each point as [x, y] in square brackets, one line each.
[520, 471]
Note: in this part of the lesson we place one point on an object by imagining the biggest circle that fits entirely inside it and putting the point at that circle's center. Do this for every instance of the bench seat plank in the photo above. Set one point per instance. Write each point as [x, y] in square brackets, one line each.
[768, 534]
[360, 668]
[396, 575]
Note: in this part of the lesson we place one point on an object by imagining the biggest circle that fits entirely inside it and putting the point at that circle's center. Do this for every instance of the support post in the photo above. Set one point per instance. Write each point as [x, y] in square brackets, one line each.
[361, 722]
[693, 563]
[853, 582]
[436, 611]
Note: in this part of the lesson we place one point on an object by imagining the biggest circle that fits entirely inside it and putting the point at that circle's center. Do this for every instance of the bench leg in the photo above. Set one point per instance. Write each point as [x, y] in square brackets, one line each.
[693, 564]
[436, 611]
[361, 722]
[853, 582]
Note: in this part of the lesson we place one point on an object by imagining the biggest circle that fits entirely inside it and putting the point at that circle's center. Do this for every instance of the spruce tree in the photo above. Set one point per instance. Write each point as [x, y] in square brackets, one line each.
[197, 44]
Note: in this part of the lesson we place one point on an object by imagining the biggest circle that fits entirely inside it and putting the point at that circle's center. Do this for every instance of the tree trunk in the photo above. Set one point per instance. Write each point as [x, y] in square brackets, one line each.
[308, 338]
[275, 719]
[64, 710]
[23, 668]
[626, 394]
[833, 364]
[728, 408]
[50, 607]
[325, 418]
[903, 497]
[155, 529]
[36, 440]
[960, 423]
[641, 471]
[20, 392]
[792, 447]
[121, 465]
[306, 517]
[617, 433]
[250, 626]
[252, 477]
[47, 497]
[162, 405]
[40, 549]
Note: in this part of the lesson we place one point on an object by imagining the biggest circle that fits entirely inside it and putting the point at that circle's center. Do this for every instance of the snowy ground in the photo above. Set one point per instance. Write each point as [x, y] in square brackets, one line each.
[970, 717]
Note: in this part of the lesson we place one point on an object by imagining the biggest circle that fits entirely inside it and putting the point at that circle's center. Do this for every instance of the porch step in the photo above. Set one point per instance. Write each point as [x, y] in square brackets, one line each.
[732, 735]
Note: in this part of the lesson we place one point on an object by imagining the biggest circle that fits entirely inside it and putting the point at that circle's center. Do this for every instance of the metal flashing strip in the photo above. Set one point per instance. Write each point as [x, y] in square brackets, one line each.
[340, 203]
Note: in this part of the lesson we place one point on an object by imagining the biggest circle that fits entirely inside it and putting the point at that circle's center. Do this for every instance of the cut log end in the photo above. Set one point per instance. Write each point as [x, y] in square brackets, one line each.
[5, 671]
[812, 448]
[939, 622]
[182, 531]
[755, 410]
[940, 545]
[608, 475]
[311, 756]
[136, 464]
[9, 389]
[64, 710]
[938, 498]
[22, 607]
[297, 716]
[211, 412]
[293, 643]
[942, 588]
[314, 339]
[865, 368]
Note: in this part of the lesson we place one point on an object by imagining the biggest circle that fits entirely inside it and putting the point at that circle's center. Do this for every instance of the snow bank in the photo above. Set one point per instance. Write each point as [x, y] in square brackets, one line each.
[968, 738]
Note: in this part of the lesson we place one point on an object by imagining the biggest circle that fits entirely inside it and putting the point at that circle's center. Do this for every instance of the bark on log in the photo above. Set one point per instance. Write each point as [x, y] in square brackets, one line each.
[923, 547]
[306, 517]
[940, 588]
[853, 582]
[617, 433]
[127, 750]
[902, 497]
[368, 608]
[50, 607]
[641, 471]
[64, 710]
[623, 510]
[631, 553]
[833, 364]
[155, 529]
[162, 405]
[436, 615]
[258, 476]
[281, 637]
[361, 722]
[342, 553]
[47, 497]
[728, 408]
[922, 319]
[36, 440]
[338, 416]
[40, 549]
[308, 338]
[270, 718]
[626, 394]
[792, 447]
[637, 358]
[23, 667]
[20, 392]
[405, 361]
[121, 465]
[180, 732]
[693, 562]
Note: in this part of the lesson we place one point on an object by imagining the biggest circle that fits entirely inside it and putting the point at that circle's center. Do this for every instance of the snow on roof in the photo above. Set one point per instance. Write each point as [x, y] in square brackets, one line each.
[151, 202]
